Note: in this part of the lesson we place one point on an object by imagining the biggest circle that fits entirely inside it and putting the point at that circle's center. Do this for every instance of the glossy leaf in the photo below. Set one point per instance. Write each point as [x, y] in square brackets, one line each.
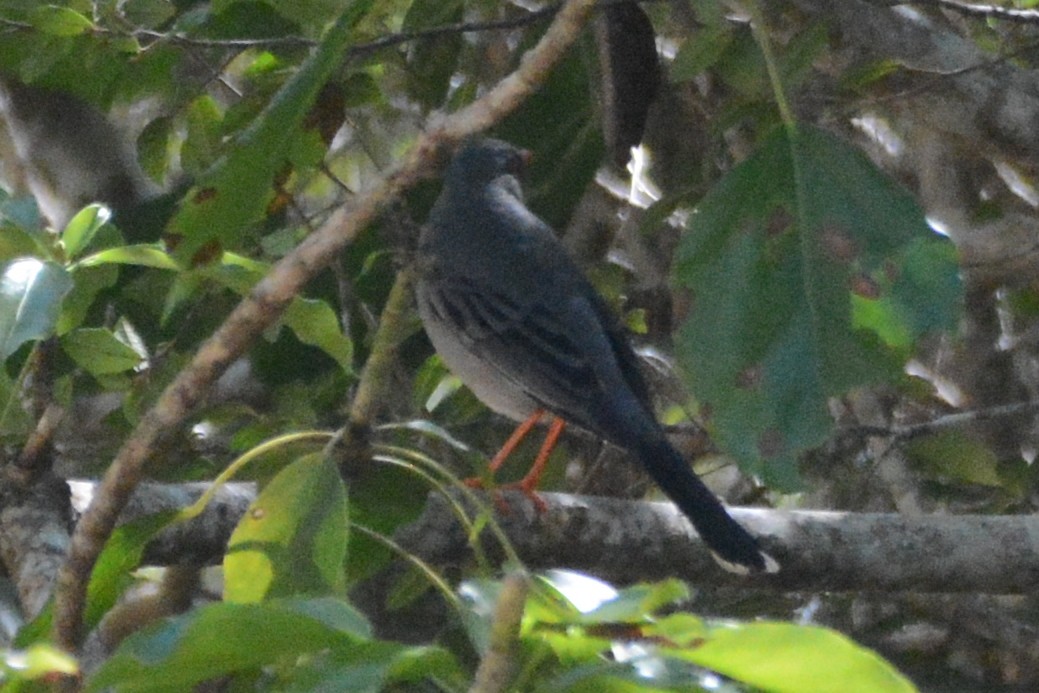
[774, 257]
[31, 292]
[783, 657]
[35, 662]
[226, 638]
[293, 538]
[315, 323]
[82, 228]
[60, 21]
[88, 282]
[141, 255]
[99, 352]
[121, 555]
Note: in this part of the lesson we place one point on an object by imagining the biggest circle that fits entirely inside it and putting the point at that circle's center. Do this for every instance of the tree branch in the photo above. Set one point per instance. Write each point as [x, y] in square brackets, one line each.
[625, 541]
[34, 534]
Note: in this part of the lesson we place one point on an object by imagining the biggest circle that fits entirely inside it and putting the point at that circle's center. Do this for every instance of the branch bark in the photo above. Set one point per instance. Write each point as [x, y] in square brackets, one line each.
[625, 541]
[34, 533]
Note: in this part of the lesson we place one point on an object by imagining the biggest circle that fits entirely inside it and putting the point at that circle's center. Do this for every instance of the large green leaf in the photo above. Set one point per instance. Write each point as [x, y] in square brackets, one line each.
[293, 538]
[82, 229]
[783, 657]
[580, 620]
[37, 661]
[233, 194]
[99, 352]
[30, 298]
[774, 257]
[225, 638]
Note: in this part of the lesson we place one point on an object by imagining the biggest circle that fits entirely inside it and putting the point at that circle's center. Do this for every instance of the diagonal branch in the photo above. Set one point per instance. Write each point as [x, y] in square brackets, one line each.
[268, 300]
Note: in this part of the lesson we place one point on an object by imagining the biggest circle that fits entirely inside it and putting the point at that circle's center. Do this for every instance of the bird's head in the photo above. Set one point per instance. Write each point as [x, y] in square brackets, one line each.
[481, 162]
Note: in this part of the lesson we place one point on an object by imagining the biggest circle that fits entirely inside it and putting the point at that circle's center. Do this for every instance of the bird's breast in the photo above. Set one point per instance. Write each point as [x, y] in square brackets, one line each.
[466, 360]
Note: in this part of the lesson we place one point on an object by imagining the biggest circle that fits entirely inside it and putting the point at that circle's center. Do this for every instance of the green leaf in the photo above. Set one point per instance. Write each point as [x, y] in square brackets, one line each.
[82, 228]
[377, 666]
[147, 255]
[781, 657]
[293, 538]
[121, 555]
[14, 420]
[99, 351]
[35, 662]
[204, 135]
[88, 282]
[334, 613]
[217, 640]
[153, 147]
[774, 256]
[148, 14]
[60, 21]
[955, 455]
[23, 213]
[234, 193]
[316, 324]
[18, 242]
[902, 299]
[31, 292]
[633, 603]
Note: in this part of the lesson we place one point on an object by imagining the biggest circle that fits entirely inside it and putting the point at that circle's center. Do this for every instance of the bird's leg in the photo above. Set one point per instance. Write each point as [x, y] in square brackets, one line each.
[510, 445]
[514, 440]
[529, 483]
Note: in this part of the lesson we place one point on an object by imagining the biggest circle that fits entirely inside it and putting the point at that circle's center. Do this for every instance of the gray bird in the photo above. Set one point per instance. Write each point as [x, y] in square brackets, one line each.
[512, 316]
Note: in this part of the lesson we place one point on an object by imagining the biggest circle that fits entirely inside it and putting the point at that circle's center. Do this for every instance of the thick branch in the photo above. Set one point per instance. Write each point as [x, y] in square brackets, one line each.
[34, 535]
[626, 541]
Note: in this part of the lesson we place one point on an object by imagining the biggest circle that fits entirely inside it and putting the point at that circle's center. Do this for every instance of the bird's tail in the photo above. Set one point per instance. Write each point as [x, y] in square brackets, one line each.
[731, 544]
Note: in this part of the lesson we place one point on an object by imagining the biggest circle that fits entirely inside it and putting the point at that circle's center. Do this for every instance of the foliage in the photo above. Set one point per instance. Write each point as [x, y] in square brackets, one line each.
[811, 273]
[789, 260]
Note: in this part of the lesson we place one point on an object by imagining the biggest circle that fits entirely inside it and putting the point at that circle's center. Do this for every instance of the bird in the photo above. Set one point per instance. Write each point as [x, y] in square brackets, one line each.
[514, 318]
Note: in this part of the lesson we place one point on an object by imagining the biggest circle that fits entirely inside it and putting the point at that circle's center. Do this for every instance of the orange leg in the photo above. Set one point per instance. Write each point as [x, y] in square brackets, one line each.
[529, 483]
[510, 445]
[517, 436]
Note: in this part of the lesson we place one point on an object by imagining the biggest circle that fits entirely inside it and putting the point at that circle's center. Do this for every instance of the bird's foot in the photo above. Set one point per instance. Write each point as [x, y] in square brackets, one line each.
[526, 486]
[529, 490]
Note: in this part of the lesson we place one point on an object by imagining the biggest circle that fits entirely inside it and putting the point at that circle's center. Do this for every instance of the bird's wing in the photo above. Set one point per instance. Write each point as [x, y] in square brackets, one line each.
[558, 354]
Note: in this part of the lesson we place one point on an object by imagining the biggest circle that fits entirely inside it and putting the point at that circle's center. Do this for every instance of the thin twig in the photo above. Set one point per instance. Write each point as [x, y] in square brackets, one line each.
[961, 418]
[498, 665]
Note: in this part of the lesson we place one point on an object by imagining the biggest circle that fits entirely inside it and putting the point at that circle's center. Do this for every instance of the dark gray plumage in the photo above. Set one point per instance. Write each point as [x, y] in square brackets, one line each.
[514, 318]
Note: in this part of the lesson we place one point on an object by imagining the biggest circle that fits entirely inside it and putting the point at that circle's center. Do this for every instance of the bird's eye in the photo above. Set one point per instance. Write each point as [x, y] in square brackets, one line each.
[519, 161]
